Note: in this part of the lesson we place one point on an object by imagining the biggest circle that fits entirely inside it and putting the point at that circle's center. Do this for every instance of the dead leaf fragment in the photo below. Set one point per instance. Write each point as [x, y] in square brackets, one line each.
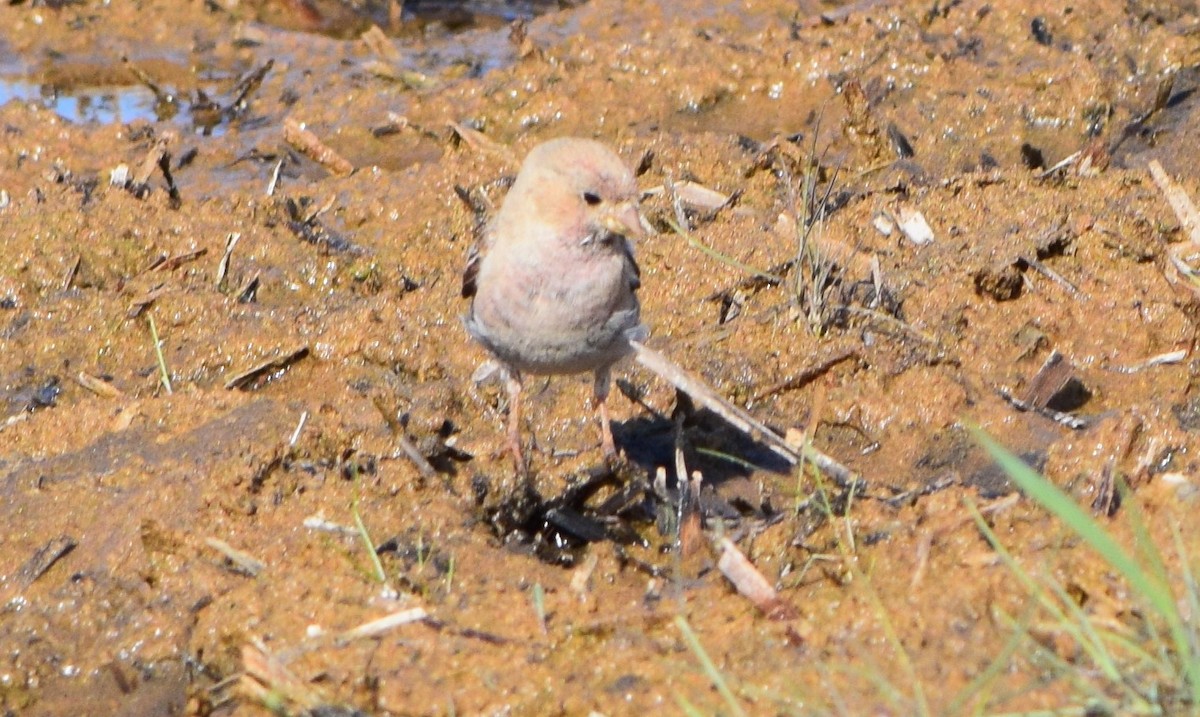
[750, 583]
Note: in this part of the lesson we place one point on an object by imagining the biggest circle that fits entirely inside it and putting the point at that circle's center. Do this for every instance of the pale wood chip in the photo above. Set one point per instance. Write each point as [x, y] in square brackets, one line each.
[311, 146]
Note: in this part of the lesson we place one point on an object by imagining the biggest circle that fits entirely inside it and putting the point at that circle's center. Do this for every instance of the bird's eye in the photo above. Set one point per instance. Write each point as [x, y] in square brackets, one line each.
[591, 198]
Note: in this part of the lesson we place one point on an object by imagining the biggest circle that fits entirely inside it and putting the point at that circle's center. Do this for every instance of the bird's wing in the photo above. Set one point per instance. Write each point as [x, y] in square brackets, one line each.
[633, 274]
[471, 271]
[484, 240]
[481, 207]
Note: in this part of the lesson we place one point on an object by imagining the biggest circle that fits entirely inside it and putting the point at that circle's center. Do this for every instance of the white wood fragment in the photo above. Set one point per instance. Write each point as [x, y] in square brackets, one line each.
[750, 583]
[694, 195]
[913, 225]
[1177, 197]
[884, 224]
[385, 623]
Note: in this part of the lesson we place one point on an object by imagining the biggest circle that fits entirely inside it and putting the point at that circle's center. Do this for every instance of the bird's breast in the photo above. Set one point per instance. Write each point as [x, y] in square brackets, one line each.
[558, 312]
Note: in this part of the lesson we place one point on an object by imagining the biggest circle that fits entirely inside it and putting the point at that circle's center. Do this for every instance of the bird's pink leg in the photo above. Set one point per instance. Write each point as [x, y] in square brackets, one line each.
[599, 402]
[513, 383]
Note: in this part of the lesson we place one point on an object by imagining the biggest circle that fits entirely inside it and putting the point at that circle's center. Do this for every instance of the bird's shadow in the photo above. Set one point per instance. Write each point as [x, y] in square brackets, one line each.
[603, 504]
[710, 446]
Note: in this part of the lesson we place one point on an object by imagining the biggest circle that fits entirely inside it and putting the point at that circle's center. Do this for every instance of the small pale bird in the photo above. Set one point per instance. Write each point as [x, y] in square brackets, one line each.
[553, 283]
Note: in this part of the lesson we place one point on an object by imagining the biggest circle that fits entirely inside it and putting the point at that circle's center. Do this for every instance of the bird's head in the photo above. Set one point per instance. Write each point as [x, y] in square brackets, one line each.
[582, 185]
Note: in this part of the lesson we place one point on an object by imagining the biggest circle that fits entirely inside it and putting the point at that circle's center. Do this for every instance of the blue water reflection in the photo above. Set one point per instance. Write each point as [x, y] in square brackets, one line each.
[102, 105]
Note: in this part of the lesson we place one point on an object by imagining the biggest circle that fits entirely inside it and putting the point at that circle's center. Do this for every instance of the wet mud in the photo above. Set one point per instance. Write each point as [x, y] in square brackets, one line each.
[231, 239]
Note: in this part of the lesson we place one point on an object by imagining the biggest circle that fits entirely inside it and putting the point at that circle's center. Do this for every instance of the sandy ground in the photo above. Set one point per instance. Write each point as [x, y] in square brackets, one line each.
[160, 541]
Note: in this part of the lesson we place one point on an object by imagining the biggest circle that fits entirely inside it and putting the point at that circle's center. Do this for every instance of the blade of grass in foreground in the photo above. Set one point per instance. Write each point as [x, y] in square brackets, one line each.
[1155, 592]
[380, 573]
[710, 669]
[1045, 600]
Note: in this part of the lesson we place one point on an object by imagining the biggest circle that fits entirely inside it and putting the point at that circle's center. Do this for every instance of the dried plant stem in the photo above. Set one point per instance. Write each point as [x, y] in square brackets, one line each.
[723, 258]
[311, 146]
[738, 417]
[1181, 203]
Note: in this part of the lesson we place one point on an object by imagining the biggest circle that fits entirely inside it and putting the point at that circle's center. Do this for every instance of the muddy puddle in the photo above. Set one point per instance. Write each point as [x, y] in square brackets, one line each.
[231, 239]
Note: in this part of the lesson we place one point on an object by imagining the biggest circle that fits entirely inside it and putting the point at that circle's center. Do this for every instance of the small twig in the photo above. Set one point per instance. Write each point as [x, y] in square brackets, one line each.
[1061, 164]
[98, 386]
[797, 380]
[1185, 210]
[274, 182]
[676, 203]
[539, 606]
[247, 87]
[72, 272]
[299, 427]
[317, 210]
[246, 379]
[410, 450]
[480, 142]
[312, 147]
[223, 265]
[248, 291]
[172, 263]
[750, 582]
[383, 624]
[1171, 357]
[318, 522]
[150, 161]
[738, 417]
[407, 447]
[143, 302]
[242, 561]
[1053, 276]
[889, 319]
[1065, 419]
[43, 559]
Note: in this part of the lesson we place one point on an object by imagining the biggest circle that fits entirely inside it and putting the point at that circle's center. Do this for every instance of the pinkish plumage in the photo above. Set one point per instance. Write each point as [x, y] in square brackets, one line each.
[553, 287]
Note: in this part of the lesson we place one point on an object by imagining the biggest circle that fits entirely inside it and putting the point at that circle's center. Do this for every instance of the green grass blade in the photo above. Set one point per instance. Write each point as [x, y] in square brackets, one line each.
[710, 669]
[1154, 591]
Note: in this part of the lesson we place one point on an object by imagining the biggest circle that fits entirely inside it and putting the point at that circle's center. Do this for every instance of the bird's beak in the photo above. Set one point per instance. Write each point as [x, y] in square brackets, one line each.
[623, 219]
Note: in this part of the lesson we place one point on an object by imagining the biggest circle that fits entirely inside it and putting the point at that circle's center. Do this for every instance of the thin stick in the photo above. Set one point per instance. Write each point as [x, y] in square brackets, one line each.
[299, 427]
[1053, 276]
[223, 265]
[383, 624]
[244, 562]
[738, 417]
[407, 447]
[1185, 210]
[312, 147]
